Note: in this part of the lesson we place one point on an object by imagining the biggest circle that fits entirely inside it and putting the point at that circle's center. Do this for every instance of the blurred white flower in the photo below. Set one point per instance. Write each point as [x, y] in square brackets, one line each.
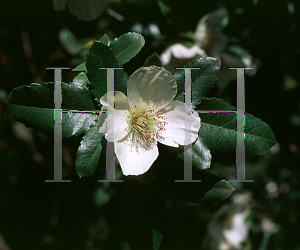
[227, 230]
[178, 55]
[209, 32]
[272, 189]
[209, 40]
[268, 226]
[147, 116]
[86, 10]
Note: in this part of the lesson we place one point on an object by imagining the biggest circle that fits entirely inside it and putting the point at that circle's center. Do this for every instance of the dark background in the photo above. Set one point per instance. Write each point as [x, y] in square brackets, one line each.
[86, 215]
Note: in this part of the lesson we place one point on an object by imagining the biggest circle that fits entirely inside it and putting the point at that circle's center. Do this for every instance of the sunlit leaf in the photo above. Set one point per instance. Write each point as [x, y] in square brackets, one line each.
[101, 56]
[33, 105]
[218, 131]
[201, 156]
[88, 153]
[203, 79]
[127, 46]
[80, 67]
[220, 191]
[81, 79]
[104, 39]
[153, 60]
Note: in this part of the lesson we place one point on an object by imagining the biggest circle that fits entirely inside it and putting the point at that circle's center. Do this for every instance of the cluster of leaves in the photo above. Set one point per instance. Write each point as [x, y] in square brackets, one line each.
[33, 105]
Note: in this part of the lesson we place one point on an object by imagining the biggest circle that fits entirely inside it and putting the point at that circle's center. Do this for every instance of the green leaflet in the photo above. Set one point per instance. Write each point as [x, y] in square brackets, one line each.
[153, 60]
[218, 131]
[203, 80]
[88, 153]
[201, 156]
[80, 67]
[220, 191]
[127, 46]
[101, 56]
[156, 238]
[33, 105]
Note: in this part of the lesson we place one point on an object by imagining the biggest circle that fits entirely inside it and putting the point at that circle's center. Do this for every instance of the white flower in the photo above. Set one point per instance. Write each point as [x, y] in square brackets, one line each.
[227, 230]
[179, 55]
[147, 116]
[209, 40]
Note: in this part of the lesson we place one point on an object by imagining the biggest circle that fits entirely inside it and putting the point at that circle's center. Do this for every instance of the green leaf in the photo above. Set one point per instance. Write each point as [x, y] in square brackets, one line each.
[80, 67]
[218, 131]
[156, 238]
[3, 95]
[102, 195]
[203, 79]
[104, 39]
[77, 123]
[220, 191]
[201, 157]
[169, 9]
[81, 79]
[33, 105]
[88, 153]
[127, 46]
[189, 35]
[164, 8]
[153, 60]
[71, 43]
[101, 56]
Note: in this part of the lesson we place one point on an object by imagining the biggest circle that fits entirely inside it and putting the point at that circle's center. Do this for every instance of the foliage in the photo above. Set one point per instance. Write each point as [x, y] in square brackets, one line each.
[151, 211]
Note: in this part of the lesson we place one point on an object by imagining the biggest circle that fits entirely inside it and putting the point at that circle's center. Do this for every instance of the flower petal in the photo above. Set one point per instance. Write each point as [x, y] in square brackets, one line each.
[135, 159]
[116, 124]
[101, 125]
[209, 33]
[178, 55]
[153, 84]
[176, 119]
[179, 51]
[121, 101]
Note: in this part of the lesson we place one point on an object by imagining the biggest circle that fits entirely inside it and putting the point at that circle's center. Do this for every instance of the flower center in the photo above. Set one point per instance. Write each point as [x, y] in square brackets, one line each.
[145, 122]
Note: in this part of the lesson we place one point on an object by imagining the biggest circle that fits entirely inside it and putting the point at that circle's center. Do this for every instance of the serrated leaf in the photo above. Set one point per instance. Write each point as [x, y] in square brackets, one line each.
[127, 46]
[101, 56]
[104, 39]
[80, 67]
[201, 157]
[88, 153]
[156, 238]
[81, 79]
[203, 80]
[220, 191]
[33, 105]
[77, 123]
[153, 60]
[218, 131]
